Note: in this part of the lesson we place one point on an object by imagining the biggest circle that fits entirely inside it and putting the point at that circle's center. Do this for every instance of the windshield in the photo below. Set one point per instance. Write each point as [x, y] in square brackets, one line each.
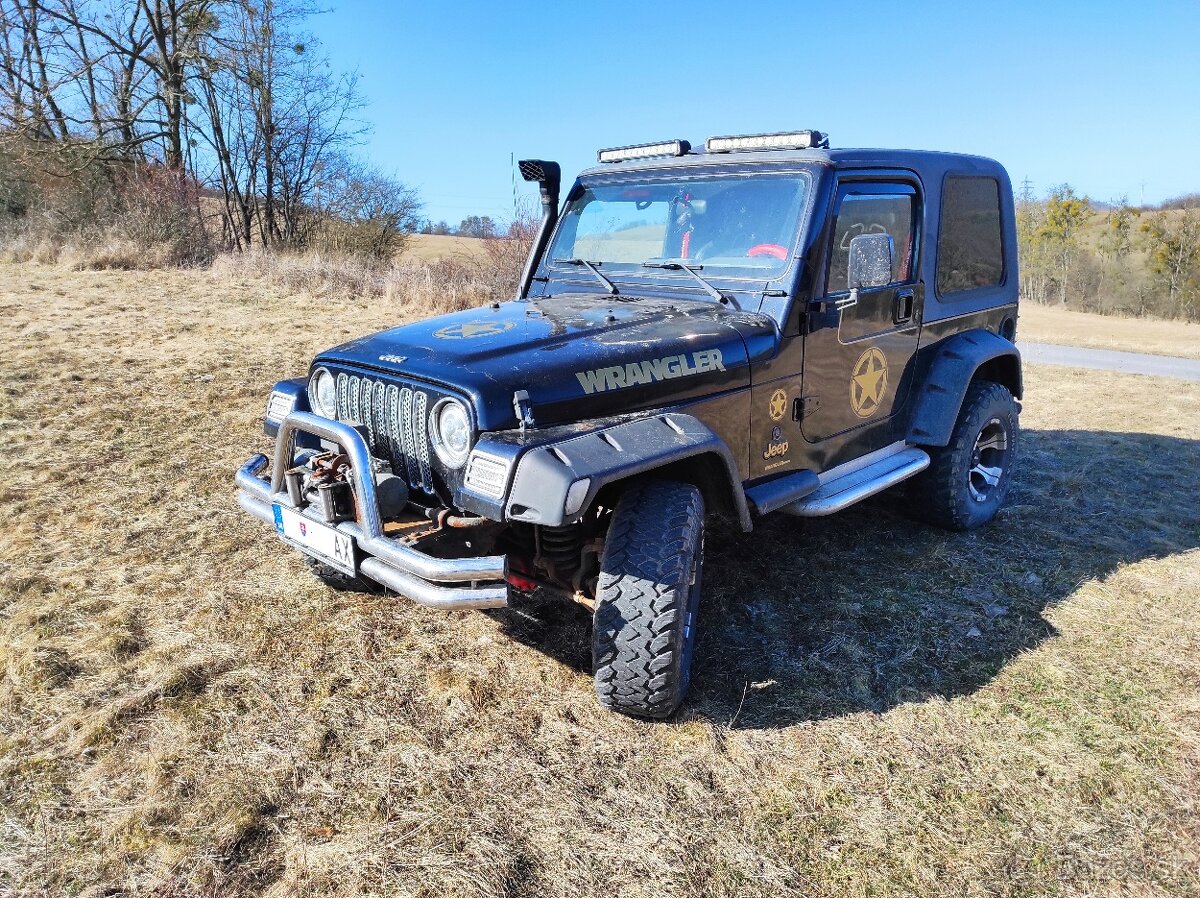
[741, 226]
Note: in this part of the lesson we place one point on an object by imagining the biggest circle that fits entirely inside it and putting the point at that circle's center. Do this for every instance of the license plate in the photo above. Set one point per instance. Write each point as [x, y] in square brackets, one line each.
[323, 542]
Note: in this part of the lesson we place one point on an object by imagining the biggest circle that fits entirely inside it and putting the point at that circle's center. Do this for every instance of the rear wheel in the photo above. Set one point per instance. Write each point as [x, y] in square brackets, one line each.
[966, 481]
[647, 599]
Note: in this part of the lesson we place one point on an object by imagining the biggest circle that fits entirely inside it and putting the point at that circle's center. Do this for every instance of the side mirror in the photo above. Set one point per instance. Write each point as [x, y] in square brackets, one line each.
[871, 258]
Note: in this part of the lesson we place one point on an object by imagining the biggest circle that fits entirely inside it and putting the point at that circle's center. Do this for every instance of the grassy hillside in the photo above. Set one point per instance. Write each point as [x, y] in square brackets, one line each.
[879, 708]
[1053, 324]
[1119, 261]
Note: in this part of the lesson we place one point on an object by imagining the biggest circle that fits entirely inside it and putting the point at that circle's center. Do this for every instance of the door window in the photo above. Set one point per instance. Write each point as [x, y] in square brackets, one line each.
[892, 212]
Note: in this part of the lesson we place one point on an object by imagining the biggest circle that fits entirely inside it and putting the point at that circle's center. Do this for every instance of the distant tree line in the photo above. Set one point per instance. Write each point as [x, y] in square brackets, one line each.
[482, 226]
[106, 105]
[1119, 259]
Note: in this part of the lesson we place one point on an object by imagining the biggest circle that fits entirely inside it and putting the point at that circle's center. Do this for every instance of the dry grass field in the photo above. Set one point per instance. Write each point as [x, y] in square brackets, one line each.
[879, 708]
[431, 247]
[1051, 324]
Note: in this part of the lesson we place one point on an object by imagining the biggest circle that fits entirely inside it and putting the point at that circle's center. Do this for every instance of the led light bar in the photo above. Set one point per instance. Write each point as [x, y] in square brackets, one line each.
[783, 140]
[645, 151]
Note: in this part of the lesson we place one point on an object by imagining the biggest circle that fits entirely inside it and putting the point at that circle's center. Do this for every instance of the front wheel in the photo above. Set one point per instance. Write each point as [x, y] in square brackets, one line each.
[967, 480]
[647, 599]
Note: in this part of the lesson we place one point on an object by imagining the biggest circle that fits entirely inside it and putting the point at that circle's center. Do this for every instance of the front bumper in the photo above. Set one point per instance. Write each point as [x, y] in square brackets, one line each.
[448, 583]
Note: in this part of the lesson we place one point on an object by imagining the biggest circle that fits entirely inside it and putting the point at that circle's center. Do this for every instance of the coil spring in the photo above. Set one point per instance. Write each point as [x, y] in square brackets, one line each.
[560, 549]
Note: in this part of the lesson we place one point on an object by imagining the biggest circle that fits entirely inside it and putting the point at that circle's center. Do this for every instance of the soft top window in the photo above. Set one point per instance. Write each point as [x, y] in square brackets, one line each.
[970, 252]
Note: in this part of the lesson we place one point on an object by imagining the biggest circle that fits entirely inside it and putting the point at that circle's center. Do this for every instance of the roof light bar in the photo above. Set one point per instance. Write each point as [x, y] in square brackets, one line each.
[782, 140]
[645, 151]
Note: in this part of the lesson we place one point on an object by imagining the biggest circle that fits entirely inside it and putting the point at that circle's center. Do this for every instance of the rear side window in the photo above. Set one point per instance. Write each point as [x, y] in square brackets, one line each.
[970, 250]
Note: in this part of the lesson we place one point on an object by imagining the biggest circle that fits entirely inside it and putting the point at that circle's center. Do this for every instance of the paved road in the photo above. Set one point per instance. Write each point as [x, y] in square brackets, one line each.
[1126, 362]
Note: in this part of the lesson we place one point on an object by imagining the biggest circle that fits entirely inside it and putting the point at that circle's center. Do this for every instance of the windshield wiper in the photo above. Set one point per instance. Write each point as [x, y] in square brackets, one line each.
[591, 266]
[694, 271]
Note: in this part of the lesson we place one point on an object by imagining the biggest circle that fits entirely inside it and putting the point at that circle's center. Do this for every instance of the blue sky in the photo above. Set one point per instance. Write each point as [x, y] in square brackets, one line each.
[1104, 95]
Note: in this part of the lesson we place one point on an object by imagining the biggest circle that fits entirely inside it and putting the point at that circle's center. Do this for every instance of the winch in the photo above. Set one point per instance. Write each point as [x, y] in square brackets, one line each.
[322, 480]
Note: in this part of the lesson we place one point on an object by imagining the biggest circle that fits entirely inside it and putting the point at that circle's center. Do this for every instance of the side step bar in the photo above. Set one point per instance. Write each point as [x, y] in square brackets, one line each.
[854, 486]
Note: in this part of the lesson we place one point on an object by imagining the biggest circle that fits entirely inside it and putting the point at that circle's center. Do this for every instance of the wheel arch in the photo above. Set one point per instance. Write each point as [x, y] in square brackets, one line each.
[706, 471]
[975, 355]
[669, 446]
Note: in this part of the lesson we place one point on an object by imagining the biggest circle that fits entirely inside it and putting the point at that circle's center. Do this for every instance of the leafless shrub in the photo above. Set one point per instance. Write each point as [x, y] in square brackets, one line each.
[505, 256]
[58, 198]
[361, 213]
[160, 210]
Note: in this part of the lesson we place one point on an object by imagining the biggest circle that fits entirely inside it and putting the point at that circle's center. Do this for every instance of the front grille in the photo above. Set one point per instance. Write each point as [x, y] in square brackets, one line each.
[397, 422]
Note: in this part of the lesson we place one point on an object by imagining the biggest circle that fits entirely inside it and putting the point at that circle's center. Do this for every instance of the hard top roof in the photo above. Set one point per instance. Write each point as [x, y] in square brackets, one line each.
[916, 160]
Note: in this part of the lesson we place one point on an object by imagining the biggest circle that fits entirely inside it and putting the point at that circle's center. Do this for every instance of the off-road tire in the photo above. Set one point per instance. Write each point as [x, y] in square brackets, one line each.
[943, 494]
[339, 582]
[647, 599]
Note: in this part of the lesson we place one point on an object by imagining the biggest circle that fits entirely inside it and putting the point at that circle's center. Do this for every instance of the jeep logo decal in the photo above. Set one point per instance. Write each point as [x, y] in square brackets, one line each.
[632, 374]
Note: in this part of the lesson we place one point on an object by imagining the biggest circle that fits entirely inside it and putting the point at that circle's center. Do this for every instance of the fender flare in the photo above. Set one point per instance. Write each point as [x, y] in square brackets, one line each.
[545, 474]
[956, 361]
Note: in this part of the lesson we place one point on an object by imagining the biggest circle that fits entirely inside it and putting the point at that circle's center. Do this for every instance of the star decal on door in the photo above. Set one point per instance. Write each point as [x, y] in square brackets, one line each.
[868, 383]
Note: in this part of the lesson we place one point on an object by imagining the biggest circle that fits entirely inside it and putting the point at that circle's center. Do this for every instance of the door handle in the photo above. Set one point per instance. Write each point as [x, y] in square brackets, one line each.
[837, 305]
[903, 305]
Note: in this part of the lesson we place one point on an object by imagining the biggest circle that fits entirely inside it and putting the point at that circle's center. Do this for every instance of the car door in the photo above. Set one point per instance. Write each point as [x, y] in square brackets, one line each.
[862, 338]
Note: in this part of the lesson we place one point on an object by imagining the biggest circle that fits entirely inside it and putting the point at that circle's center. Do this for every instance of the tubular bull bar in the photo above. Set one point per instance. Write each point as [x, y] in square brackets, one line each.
[447, 583]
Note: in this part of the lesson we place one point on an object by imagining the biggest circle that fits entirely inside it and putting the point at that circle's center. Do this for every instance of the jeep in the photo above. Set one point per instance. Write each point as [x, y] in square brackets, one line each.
[762, 325]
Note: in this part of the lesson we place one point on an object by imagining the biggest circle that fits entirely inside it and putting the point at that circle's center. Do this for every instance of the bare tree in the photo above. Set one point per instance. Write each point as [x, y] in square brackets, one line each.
[232, 94]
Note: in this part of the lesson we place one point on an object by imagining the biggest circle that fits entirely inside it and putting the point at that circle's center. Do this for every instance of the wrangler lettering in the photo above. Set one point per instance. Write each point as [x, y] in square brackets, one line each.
[650, 371]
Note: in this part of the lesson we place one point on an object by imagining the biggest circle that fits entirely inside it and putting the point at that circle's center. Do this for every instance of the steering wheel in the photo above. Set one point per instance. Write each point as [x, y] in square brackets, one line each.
[768, 249]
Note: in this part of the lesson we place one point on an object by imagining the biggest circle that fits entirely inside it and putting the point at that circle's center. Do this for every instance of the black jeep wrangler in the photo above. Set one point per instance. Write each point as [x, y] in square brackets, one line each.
[762, 325]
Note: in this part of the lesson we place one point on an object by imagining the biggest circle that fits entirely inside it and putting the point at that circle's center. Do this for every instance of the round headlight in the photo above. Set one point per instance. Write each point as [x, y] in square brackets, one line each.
[451, 428]
[322, 393]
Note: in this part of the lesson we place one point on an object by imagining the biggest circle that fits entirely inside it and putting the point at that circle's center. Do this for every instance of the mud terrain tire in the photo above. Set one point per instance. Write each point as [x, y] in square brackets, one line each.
[961, 489]
[647, 599]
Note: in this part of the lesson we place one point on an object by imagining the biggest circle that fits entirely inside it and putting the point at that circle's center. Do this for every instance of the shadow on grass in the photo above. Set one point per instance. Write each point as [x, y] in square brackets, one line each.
[804, 620]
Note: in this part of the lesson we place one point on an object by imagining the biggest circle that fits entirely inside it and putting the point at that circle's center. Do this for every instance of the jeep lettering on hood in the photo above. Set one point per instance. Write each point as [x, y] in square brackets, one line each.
[618, 377]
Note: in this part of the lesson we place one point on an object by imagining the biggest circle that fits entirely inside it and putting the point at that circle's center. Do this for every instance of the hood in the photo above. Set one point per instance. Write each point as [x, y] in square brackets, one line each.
[578, 356]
